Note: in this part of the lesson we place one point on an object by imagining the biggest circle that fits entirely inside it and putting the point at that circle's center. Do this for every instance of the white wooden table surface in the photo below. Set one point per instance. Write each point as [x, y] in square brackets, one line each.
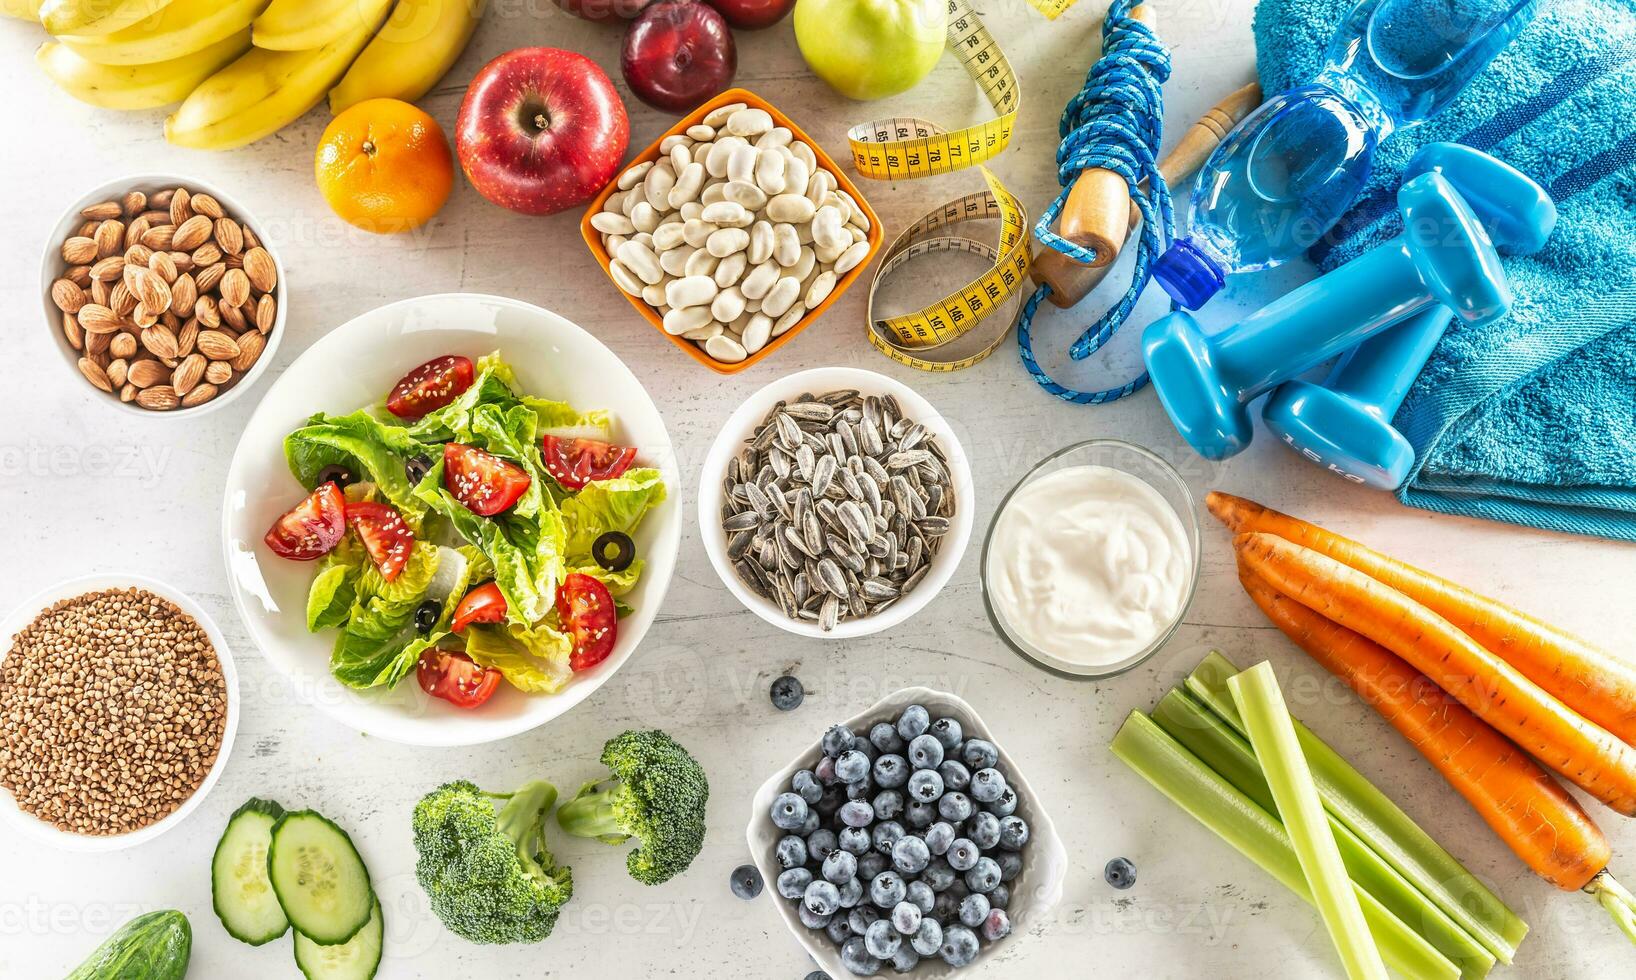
[86, 488]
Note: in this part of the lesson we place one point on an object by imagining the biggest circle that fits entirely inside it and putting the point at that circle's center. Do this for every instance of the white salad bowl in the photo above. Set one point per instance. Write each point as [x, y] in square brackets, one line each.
[33, 827]
[1034, 893]
[355, 366]
[742, 424]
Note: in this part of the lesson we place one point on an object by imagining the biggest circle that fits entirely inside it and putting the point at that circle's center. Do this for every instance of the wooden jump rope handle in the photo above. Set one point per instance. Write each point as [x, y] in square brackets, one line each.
[1099, 213]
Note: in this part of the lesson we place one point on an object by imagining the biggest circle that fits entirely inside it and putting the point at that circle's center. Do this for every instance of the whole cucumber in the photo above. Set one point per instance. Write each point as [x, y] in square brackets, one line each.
[155, 946]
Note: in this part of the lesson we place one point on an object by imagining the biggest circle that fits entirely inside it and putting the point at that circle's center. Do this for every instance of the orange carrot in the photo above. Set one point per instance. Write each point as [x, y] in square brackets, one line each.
[1530, 811]
[1597, 685]
[1495, 691]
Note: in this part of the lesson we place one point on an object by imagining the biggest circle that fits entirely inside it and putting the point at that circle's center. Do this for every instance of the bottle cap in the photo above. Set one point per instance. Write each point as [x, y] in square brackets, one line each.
[1189, 275]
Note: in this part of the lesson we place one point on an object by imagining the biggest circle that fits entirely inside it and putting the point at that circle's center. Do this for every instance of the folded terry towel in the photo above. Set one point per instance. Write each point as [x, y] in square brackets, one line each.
[1532, 419]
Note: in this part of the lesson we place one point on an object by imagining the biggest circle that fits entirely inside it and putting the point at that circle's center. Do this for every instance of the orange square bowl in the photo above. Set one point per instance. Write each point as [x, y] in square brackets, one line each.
[593, 238]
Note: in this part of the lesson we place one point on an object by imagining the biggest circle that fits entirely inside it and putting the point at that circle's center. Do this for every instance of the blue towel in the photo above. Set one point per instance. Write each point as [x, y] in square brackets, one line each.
[1530, 420]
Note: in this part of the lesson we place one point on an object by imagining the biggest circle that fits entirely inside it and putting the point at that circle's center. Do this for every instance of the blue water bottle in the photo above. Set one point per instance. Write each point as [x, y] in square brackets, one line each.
[1288, 172]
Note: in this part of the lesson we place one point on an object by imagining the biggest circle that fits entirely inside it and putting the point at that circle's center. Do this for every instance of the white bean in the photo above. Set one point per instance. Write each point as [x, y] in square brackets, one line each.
[688, 185]
[639, 259]
[654, 295]
[775, 137]
[713, 194]
[612, 243]
[791, 208]
[856, 215]
[701, 132]
[690, 210]
[803, 233]
[820, 289]
[680, 321]
[796, 174]
[725, 241]
[744, 194]
[761, 242]
[690, 291]
[716, 117]
[725, 349]
[671, 142]
[727, 305]
[749, 122]
[644, 217]
[612, 224]
[783, 295]
[730, 270]
[804, 152]
[742, 164]
[727, 214]
[631, 200]
[701, 152]
[759, 281]
[819, 186]
[757, 332]
[668, 235]
[786, 244]
[630, 177]
[643, 237]
[752, 306]
[711, 329]
[826, 229]
[700, 263]
[803, 265]
[657, 185]
[624, 278]
[855, 253]
[770, 172]
[827, 254]
[674, 261]
[697, 231]
[721, 152]
[858, 234]
[791, 317]
[680, 156]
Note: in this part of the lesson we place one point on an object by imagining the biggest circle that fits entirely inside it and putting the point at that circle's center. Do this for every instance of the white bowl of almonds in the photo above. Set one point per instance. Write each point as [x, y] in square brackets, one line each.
[162, 295]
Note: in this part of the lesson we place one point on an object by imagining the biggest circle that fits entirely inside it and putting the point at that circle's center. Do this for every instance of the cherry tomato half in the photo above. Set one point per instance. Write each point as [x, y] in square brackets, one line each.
[453, 677]
[483, 604]
[431, 386]
[387, 539]
[586, 612]
[576, 462]
[482, 481]
[312, 528]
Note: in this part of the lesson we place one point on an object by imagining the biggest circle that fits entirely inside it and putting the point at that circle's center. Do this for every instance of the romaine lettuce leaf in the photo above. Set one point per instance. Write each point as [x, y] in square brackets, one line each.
[329, 599]
[534, 661]
[362, 443]
[370, 650]
[608, 505]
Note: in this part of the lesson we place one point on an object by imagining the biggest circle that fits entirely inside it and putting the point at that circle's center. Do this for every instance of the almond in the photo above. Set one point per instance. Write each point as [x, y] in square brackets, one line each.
[95, 374]
[151, 291]
[98, 343]
[162, 199]
[160, 239]
[198, 396]
[250, 347]
[138, 255]
[187, 374]
[161, 264]
[192, 233]
[218, 346]
[123, 345]
[146, 374]
[184, 262]
[98, 319]
[218, 372]
[122, 301]
[235, 287]
[73, 332]
[108, 269]
[160, 342]
[206, 205]
[87, 229]
[181, 207]
[159, 398]
[234, 317]
[229, 236]
[80, 275]
[102, 211]
[183, 292]
[250, 239]
[209, 277]
[157, 217]
[79, 251]
[101, 292]
[209, 316]
[144, 317]
[259, 267]
[135, 230]
[207, 254]
[266, 314]
[187, 337]
[68, 296]
[110, 236]
[116, 372]
[128, 393]
[134, 203]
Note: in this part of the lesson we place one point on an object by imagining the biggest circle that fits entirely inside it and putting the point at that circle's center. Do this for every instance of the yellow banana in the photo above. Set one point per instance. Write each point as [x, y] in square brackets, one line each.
[180, 29]
[301, 25]
[24, 9]
[415, 48]
[261, 93]
[96, 16]
[137, 86]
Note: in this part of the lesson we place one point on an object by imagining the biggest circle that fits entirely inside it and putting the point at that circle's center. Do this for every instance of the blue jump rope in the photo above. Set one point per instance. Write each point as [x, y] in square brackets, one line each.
[1115, 123]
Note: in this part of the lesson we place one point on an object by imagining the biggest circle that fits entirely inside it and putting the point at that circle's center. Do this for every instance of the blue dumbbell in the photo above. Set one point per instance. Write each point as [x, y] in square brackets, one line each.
[1345, 424]
[1204, 382]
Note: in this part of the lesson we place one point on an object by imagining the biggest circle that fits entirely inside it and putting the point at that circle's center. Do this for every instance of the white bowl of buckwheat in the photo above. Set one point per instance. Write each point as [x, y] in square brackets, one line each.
[118, 704]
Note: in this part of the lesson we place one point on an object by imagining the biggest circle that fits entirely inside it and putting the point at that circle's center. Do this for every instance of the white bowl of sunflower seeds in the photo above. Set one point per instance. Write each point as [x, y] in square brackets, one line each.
[836, 503]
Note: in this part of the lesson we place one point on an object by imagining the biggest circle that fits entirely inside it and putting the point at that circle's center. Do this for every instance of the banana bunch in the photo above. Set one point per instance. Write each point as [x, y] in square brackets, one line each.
[243, 69]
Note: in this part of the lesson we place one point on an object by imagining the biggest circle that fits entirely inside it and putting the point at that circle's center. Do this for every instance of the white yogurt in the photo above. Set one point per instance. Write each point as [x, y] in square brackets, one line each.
[1088, 565]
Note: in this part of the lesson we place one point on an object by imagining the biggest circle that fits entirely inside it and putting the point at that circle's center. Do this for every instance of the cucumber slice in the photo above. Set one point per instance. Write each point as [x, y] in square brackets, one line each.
[239, 889]
[356, 959]
[320, 880]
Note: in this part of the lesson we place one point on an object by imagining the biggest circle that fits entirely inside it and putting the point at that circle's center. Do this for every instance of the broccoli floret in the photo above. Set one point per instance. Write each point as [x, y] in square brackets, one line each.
[490, 877]
[655, 793]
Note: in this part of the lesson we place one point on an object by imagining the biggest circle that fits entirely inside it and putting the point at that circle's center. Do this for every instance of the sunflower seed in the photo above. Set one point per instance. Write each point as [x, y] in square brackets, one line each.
[813, 411]
[906, 458]
[829, 616]
[831, 577]
[933, 525]
[741, 522]
[739, 543]
[790, 435]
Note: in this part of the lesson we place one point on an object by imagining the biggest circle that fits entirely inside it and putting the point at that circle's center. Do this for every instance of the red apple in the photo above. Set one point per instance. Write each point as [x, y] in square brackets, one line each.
[541, 130]
[604, 11]
[746, 15]
[677, 54]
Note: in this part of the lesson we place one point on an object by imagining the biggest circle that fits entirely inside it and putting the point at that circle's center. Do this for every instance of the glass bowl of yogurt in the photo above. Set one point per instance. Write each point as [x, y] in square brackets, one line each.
[1092, 559]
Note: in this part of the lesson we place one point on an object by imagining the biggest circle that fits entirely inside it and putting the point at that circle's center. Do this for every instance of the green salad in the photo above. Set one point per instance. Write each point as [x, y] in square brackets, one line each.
[466, 532]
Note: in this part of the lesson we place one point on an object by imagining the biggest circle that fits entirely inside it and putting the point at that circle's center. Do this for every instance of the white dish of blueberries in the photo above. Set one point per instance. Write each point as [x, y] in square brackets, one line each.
[906, 841]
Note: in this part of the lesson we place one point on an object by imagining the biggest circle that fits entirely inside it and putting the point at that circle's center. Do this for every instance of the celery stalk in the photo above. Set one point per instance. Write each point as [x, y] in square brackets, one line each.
[1236, 819]
[1369, 813]
[1272, 735]
[1226, 752]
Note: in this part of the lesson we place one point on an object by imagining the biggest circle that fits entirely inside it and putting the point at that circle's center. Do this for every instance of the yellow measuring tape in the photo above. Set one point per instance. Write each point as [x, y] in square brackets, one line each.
[909, 147]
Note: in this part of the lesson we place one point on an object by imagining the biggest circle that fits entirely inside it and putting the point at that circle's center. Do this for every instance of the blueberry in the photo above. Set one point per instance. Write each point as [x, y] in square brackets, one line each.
[955, 807]
[984, 830]
[926, 785]
[914, 721]
[789, 812]
[947, 907]
[838, 932]
[984, 875]
[816, 975]
[825, 771]
[906, 917]
[792, 852]
[861, 918]
[955, 775]
[1000, 897]
[855, 814]
[822, 898]
[963, 854]
[840, 867]
[891, 771]
[820, 842]
[959, 946]
[1120, 873]
[814, 920]
[1010, 865]
[806, 786]
[979, 753]
[973, 910]
[887, 890]
[851, 893]
[920, 895]
[811, 824]
[836, 741]
[860, 790]
[787, 693]
[871, 864]
[925, 752]
[987, 785]
[1005, 806]
[905, 960]
[997, 925]
[746, 881]
[928, 937]
[854, 840]
[938, 876]
[861, 744]
[852, 766]
[793, 883]
[947, 731]
[938, 838]
[882, 940]
[910, 855]
[886, 835]
[1013, 833]
[886, 738]
[834, 795]
[888, 804]
[919, 815]
[856, 958]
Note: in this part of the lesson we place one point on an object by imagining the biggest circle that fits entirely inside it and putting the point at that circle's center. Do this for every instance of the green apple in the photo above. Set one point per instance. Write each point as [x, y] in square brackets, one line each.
[869, 49]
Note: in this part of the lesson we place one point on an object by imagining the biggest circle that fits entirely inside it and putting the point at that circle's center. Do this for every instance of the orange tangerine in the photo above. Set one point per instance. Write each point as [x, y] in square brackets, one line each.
[384, 166]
